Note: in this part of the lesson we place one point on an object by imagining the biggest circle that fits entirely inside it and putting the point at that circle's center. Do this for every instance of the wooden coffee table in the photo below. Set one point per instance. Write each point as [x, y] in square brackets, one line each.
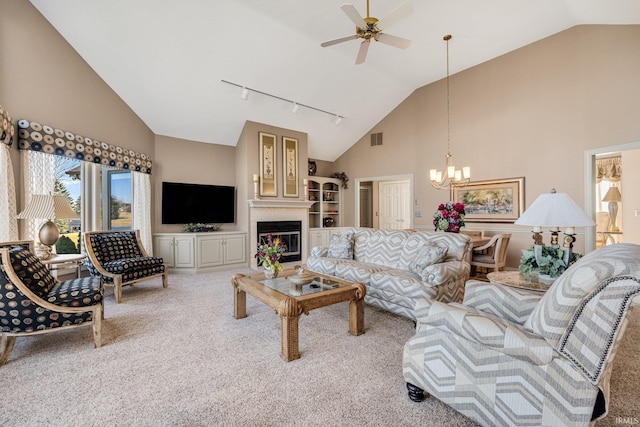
[290, 301]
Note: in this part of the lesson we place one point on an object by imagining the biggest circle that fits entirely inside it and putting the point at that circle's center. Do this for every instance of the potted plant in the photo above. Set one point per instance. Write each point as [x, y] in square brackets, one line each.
[548, 261]
[269, 252]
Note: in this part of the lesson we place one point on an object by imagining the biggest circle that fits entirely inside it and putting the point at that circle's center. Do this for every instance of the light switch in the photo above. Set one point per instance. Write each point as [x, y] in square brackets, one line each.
[418, 214]
[637, 212]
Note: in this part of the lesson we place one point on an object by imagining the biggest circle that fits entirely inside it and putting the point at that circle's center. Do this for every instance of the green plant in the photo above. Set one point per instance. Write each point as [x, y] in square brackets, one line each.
[550, 261]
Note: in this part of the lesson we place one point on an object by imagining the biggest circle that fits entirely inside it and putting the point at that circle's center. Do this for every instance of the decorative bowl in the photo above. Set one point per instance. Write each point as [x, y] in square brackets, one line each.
[301, 279]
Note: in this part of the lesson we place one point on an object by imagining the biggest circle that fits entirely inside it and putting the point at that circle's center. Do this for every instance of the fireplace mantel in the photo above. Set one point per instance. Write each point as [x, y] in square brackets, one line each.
[279, 203]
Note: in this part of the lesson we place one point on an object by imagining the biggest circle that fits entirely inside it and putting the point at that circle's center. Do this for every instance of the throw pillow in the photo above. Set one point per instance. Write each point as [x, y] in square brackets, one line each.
[427, 255]
[341, 246]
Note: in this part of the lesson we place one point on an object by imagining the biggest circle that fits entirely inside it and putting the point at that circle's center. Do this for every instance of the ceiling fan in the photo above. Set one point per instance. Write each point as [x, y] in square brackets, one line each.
[371, 28]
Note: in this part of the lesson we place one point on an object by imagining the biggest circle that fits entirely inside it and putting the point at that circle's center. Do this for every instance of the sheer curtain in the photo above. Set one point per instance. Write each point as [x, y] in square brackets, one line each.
[90, 211]
[142, 208]
[8, 221]
[39, 177]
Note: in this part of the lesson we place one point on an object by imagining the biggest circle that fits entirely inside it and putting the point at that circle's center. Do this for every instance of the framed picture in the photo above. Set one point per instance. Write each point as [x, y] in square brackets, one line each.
[290, 167]
[268, 164]
[500, 200]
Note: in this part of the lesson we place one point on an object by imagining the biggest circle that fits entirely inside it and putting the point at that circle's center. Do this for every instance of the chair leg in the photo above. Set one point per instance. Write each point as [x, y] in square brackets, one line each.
[416, 394]
[98, 315]
[6, 347]
[117, 289]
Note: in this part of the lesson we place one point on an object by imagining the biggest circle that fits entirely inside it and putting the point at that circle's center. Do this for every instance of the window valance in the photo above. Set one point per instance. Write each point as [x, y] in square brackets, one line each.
[6, 127]
[46, 139]
[609, 169]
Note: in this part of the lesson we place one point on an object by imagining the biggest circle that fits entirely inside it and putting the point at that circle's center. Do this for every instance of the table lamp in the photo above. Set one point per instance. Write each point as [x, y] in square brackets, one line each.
[555, 210]
[50, 207]
[613, 196]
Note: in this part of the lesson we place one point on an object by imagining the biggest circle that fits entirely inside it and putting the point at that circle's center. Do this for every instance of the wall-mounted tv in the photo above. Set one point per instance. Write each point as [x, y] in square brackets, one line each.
[197, 203]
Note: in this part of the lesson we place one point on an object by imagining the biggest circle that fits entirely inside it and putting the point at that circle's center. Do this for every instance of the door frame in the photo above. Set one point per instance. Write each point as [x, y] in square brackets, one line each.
[589, 188]
[408, 177]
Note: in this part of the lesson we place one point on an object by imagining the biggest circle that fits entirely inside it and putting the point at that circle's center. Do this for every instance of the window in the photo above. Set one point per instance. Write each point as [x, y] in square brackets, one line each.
[68, 183]
[116, 206]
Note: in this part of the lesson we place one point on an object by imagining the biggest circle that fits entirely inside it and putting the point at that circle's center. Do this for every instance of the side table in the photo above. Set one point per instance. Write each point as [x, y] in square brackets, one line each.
[516, 280]
[65, 261]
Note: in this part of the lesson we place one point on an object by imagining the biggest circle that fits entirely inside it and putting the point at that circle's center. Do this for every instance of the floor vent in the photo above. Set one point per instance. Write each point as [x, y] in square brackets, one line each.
[376, 139]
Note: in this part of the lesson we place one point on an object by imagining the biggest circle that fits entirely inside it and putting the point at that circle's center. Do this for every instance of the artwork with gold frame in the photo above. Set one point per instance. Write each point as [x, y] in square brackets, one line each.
[290, 167]
[268, 165]
[500, 200]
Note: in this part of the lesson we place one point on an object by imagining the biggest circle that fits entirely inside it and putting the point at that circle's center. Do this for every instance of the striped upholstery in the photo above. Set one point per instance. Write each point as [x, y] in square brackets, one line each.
[544, 361]
[382, 260]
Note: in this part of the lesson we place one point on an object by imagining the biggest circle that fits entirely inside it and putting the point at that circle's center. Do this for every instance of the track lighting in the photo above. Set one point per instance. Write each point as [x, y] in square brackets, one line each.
[296, 105]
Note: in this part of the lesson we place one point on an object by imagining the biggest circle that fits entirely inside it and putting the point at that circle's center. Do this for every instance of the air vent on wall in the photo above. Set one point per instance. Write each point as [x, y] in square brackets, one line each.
[376, 139]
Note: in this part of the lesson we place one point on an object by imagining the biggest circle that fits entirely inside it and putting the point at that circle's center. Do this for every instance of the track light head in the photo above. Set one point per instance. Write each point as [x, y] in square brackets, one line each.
[245, 93]
[295, 108]
[338, 120]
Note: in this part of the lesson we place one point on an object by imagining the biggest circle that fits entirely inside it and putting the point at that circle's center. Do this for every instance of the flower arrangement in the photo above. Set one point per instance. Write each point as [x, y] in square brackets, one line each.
[449, 217]
[550, 261]
[269, 252]
[200, 227]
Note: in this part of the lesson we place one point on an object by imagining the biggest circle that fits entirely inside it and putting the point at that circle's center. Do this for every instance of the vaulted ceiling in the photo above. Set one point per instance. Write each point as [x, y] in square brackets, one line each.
[167, 58]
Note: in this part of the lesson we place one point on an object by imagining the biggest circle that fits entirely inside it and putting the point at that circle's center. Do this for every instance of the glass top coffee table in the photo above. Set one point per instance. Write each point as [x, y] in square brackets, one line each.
[290, 300]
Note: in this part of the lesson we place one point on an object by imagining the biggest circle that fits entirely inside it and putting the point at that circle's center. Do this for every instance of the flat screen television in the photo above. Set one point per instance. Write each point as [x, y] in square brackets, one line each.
[198, 203]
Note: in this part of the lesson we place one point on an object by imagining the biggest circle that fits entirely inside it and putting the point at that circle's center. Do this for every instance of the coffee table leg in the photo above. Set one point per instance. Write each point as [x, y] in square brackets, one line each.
[290, 349]
[239, 300]
[356, 310]
[356, 317]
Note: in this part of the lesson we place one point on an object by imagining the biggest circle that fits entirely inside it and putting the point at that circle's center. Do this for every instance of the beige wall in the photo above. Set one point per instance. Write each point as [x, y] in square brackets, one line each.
[180, 160]
[43, 79]
[531, 113]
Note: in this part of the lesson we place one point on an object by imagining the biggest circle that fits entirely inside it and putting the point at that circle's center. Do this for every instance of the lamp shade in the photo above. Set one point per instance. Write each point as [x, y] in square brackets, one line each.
[613, 195]
[555, 210]
[47, 206]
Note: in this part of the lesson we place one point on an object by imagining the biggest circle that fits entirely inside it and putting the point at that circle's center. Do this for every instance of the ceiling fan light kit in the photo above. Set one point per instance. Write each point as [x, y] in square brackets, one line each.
[372, 28]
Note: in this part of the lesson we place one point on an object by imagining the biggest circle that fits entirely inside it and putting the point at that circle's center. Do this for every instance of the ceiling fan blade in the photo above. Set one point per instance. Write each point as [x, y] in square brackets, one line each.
[353, 14]
[340, 40]
[393, 40]
[362, 52]
[395, 15]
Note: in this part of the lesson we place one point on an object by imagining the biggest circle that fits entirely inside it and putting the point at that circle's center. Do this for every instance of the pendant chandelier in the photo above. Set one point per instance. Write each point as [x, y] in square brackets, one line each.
[450, 177]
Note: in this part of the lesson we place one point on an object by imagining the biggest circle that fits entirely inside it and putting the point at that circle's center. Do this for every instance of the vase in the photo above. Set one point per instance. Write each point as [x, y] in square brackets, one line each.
[545, 279]
[269, 273]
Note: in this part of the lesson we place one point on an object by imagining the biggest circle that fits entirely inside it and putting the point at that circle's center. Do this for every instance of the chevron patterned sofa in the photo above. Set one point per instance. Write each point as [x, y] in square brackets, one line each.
[509, 357]
[397, 266]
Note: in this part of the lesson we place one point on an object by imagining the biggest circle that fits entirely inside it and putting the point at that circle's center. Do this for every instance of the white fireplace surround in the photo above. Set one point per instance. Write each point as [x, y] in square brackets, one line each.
[278, 210]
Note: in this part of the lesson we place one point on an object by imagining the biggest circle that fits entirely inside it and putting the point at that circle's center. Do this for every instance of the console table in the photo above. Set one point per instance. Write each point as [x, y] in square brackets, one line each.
[516, 280]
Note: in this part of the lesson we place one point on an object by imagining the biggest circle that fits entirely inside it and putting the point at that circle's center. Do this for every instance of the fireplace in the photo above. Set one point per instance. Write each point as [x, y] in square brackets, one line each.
[289, 232]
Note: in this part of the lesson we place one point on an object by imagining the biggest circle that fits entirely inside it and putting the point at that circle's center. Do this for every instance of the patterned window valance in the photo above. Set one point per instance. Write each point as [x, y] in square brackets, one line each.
[6, 127]
[609, 169]
[37, 137]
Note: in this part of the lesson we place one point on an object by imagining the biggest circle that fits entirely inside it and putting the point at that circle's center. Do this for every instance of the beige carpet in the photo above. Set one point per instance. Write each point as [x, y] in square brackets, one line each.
[177, 357]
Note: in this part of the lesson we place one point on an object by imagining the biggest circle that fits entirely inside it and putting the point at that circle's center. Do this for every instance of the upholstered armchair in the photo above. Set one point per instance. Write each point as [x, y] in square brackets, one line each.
[119, 259]
[33, 302]
[508, 357]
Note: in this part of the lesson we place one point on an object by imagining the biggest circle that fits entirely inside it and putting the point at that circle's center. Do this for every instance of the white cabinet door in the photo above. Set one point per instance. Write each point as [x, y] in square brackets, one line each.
[210, 251]
[235, 249]
[184, 252]
[163, 247]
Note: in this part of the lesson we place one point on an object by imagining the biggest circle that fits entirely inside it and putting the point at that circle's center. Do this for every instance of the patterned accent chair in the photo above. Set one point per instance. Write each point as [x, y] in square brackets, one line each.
[119, 259]
[506, 357]
[33, 302]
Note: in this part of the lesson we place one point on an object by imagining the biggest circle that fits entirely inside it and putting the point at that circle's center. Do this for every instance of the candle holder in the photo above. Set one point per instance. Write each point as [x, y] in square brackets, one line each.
[256, 179]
